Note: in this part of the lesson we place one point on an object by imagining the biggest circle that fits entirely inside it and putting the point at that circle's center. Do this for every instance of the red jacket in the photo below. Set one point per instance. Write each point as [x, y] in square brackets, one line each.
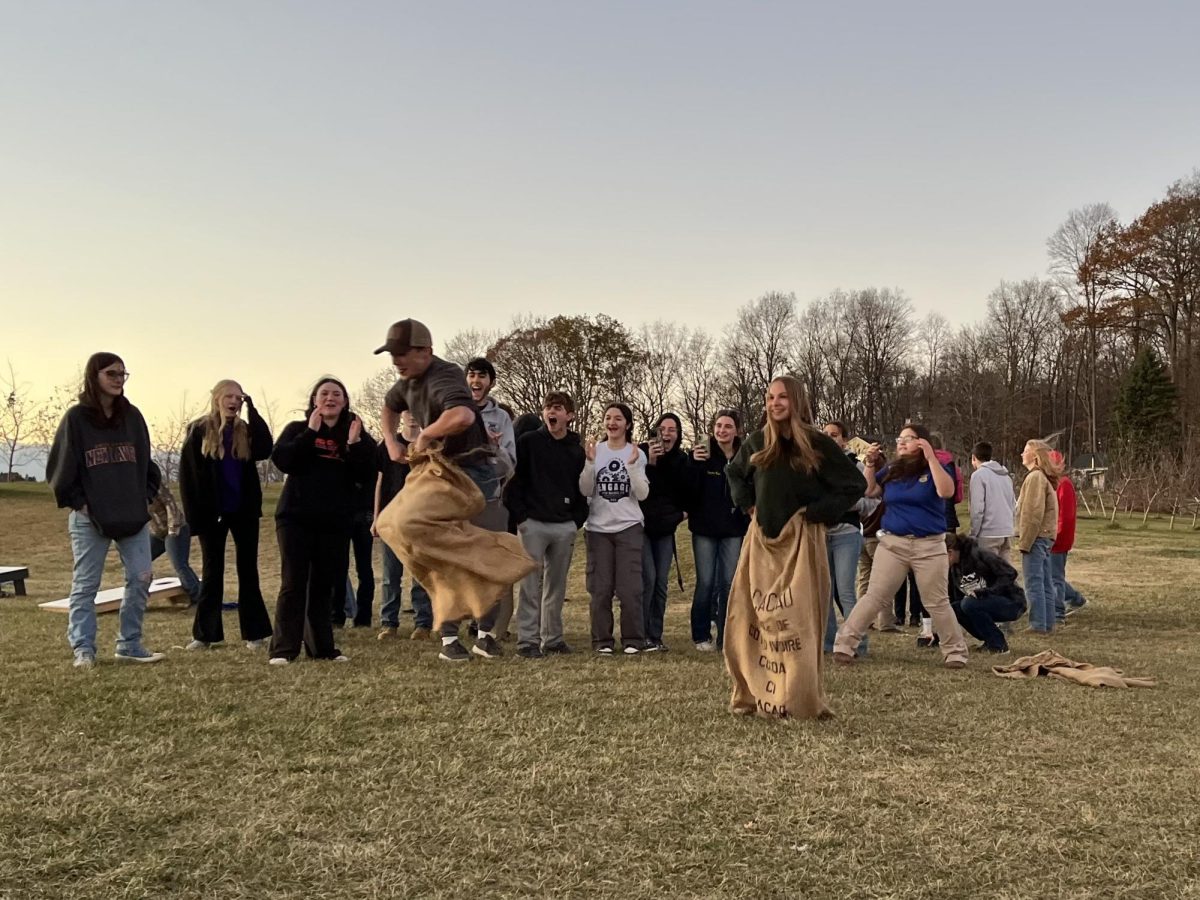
[1066, 516]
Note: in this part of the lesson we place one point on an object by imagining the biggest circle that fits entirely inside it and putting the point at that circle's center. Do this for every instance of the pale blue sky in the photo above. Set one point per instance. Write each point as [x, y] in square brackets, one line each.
[255, 190]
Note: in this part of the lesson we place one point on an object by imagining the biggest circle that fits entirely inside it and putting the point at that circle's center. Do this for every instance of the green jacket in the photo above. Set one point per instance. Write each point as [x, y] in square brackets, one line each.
[778, 492]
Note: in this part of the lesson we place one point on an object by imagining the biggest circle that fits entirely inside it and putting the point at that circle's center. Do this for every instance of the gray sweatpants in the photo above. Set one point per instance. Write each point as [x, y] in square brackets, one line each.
[540, 602]
[614, 566]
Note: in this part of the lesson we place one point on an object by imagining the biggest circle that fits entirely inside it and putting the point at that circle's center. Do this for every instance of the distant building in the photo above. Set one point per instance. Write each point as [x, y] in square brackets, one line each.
[1088, 470]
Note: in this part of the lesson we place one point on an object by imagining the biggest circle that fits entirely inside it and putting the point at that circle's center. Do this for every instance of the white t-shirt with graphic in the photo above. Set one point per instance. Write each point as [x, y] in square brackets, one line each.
[617, 485]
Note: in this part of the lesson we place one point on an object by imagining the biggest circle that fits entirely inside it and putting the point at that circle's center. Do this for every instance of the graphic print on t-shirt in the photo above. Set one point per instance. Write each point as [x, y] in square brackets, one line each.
[971, 584]
[612, 483]
[327, 448]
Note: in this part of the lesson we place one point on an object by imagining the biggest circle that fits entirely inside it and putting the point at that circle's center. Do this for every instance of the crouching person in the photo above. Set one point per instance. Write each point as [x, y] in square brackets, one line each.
[983, 591]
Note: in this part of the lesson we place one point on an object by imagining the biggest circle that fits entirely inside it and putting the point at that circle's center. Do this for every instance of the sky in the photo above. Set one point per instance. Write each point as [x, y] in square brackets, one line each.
[256, 190]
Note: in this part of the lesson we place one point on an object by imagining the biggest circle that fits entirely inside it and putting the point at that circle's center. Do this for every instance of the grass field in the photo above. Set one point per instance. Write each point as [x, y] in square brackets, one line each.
[214, 775]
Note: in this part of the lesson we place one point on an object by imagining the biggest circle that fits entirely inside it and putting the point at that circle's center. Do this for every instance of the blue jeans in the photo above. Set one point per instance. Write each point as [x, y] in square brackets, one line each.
[389, 612]
[716, 559]
[656, 572]
[178, 548]
[1039, 585]
[90, 548]
[843, 550]
[1064, 594]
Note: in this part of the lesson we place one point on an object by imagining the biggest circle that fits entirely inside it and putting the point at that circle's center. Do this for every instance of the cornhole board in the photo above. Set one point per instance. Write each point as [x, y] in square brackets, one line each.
[110, 601]
[17, 575]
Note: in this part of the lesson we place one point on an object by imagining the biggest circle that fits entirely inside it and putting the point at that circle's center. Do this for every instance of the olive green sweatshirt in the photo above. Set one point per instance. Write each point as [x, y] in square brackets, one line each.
[779, 491]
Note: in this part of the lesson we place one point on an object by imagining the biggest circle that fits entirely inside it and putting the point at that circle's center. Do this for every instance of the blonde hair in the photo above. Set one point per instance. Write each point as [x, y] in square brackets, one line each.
[213, 445]
[800, 452]
[1044, 460]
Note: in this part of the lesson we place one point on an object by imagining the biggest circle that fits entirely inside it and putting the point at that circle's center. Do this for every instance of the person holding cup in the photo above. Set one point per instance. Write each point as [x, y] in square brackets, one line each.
[716, 524]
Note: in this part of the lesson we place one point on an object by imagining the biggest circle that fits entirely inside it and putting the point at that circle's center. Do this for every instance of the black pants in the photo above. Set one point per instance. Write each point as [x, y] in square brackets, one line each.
[363, 545]
[253, 620]
[311, 558]
[915, 609]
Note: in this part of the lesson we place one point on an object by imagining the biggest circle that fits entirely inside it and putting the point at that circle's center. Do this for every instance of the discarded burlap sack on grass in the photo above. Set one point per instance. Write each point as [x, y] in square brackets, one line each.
[462, 566]
[776, 622]
[1049, 663]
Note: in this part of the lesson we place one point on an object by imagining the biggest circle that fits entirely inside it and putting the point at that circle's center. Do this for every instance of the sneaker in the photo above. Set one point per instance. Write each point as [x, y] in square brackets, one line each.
[487, 647]
[892, 628]
[454, 652]
[138, 655]
[706, 646]
[341, 657]
[196, 645]
[649, 647]
[605, 651]
[631, 650]
[955, 662]
[259, 644]
[529, 651]
[1073, 608]
[419, 634]
[562, 647]
[843, 659]
[389, 633]
[278, 661]
[84, 659]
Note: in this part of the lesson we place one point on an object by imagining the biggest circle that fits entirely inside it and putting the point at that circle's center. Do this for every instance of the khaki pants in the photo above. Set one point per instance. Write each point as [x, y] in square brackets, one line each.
[866, 561]
[895, 557]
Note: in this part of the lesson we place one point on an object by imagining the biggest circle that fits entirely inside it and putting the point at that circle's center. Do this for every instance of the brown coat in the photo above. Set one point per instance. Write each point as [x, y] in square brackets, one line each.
[1037, 510]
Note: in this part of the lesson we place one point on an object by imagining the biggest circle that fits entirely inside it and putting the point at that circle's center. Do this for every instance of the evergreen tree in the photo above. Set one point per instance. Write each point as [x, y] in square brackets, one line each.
[1145, 414]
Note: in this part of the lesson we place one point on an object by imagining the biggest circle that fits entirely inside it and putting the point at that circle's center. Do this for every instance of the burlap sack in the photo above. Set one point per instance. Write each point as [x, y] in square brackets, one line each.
[776, 622]
[463, 567]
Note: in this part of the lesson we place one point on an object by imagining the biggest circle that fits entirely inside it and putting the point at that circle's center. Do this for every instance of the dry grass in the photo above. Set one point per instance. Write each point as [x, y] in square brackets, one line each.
[213, 775]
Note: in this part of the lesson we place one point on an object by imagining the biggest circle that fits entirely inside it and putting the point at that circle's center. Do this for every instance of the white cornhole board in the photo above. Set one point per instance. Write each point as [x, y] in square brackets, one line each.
[110, 600]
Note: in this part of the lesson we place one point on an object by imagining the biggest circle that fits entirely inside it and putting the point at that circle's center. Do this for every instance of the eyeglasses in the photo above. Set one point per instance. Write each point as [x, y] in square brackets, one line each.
[116, 374]
[907, 440]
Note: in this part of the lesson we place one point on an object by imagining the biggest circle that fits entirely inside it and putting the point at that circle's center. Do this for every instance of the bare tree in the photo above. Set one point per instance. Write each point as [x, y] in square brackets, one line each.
[1071, 248]
[882, 337]
[698, 384]
[168, 435]
[660, 348]
[469, 344]
[757, 348]
[19, 436]
[369, 402]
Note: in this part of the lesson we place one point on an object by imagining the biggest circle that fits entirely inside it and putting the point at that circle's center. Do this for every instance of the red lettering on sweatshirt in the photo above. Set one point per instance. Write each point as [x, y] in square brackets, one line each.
[106, 454]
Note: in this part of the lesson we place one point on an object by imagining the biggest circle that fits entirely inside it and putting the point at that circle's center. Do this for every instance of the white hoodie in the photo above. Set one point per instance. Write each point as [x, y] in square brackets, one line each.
[992, 501]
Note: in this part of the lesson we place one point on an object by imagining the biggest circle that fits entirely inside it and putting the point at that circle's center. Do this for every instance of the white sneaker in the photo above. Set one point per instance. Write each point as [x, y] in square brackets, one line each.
[706, 646]
[84, 660]
[341, 657]
[278, 661]
[631, 650]
[260, 644]
[196, 645]
[138, 655]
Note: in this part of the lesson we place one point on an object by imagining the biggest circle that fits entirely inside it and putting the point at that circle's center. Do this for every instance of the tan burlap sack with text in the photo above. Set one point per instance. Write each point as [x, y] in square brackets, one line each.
[463, 567]
[776, 622]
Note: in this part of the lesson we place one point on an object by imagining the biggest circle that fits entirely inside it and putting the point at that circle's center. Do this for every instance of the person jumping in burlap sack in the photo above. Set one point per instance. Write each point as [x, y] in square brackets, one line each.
[794, 481]
[465, 568]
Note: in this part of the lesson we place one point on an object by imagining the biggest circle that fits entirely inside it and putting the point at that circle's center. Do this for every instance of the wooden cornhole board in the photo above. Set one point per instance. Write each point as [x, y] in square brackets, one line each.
[15, 574]
[168, 589]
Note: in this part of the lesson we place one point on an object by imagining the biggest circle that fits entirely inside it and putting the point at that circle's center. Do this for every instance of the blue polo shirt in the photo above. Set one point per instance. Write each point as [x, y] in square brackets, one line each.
[912, 505]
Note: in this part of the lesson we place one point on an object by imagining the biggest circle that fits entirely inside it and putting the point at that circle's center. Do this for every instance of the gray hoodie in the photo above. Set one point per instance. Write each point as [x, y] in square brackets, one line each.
[992, 501]
[497, 421]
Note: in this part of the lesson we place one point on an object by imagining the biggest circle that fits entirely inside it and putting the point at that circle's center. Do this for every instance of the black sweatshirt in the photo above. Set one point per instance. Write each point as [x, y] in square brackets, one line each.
[106, 467]
[200, 476]
[979, 571]
[322, 474]
[663, 507]
[545, 485]
[710, 507]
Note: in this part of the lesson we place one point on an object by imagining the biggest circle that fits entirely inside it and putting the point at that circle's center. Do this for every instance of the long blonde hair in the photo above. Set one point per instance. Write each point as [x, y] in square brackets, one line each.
[1042, 450]
[799, 451]
[213, 445]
